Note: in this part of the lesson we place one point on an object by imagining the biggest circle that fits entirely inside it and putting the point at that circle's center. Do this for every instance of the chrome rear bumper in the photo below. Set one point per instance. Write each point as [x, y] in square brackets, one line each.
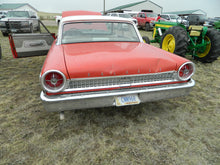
[107, 98]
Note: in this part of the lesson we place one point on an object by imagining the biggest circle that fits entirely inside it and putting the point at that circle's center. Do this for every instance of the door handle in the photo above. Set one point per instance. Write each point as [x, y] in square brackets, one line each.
[32, 44]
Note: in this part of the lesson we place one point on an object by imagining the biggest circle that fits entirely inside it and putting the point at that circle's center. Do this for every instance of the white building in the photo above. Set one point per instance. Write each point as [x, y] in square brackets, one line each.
[138, 6]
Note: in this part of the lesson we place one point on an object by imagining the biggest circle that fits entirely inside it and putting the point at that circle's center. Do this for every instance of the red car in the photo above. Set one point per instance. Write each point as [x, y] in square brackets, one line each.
[100, 61]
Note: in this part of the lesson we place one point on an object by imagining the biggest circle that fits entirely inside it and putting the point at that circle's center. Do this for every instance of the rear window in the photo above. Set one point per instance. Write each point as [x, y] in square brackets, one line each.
[124, 15]
[151, 15]
[173, 16]
[98, 32]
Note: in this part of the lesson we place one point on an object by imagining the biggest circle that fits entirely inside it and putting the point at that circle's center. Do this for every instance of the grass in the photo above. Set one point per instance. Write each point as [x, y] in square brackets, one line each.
[176, 131]
[47, 16]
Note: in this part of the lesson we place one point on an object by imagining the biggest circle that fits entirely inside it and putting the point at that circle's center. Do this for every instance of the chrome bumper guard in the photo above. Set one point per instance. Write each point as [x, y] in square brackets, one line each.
[107, 98]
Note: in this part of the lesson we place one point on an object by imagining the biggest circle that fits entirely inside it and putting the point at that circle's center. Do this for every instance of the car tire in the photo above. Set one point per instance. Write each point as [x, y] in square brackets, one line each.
[212, 50]
[147, 27]
[146, 39]
[5, 34]
[175, 40]
[38, 28]
[31, 28]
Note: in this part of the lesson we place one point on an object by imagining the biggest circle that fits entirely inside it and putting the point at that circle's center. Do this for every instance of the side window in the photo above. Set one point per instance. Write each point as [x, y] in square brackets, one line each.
[142, 15]
[114, 15]
[163, 16]
[139, 15]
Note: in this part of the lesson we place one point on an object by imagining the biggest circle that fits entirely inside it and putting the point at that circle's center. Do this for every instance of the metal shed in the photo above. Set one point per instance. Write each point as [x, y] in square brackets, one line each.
[187, 12]
[138, 6]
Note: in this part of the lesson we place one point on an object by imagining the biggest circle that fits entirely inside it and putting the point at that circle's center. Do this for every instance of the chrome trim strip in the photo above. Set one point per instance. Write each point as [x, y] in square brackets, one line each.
[135, 75]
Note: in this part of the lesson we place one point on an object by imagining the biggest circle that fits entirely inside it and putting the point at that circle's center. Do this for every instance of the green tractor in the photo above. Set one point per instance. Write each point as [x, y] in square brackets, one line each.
[199, 41]
[217, 25]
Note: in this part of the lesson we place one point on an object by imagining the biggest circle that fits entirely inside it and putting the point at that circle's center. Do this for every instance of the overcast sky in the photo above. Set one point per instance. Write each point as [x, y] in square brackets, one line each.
[212, 7]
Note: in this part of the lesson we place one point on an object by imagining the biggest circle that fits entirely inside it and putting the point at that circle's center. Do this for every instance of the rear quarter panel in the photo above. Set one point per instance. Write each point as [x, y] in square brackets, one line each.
[55, 60]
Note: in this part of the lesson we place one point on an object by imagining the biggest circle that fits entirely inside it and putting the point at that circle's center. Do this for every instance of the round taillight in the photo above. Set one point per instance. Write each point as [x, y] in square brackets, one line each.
[53, 81]
[186, 71]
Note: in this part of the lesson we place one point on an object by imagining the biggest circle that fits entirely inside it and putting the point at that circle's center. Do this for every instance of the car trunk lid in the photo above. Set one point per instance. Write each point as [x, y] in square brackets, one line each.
[84, 60]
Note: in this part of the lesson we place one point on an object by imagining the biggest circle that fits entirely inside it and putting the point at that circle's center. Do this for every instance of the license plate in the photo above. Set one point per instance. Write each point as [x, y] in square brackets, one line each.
[13, 30]
[127, 100]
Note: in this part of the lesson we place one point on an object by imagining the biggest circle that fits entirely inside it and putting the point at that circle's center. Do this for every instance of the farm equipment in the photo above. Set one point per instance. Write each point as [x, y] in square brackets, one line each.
[217, 25]
[199, 41]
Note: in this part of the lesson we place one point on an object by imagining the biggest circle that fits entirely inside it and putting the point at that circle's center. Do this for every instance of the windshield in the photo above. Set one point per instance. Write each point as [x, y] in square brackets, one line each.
[17, 14]
[98, 32]
[125, 15]
[173, 16]
[152, 15]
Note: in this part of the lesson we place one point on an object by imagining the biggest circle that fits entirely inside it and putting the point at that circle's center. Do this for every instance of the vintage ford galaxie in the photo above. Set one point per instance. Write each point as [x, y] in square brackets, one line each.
[100, 61]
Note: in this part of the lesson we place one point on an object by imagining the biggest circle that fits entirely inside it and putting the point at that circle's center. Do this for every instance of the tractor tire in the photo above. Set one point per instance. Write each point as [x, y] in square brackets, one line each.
[212, 51]
[175, 40]
[146, 40]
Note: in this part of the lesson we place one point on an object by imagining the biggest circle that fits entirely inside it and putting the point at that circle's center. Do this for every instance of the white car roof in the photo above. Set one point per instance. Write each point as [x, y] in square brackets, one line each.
[92, 18]
[168, 14]
[118, 13]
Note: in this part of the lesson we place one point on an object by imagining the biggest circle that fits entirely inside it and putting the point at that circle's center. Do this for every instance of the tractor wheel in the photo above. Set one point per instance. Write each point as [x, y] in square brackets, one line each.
[175, 40]
[146, 40]
[212, 50]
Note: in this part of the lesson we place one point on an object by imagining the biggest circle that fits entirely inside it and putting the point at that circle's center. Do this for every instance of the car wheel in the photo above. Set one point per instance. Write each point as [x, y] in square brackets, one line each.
[5, 34]
[147, 27]
[31, 28]
[146, 39]
[38, 29]
[175, 40]
[212, 50]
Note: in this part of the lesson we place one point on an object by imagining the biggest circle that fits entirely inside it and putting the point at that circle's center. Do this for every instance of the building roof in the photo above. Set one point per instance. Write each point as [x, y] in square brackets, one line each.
[130, 5]
[186, 12]
[13, 6]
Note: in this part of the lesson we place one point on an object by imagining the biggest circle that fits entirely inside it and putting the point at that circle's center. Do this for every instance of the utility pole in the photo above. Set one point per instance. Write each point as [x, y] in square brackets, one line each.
[103, 7]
